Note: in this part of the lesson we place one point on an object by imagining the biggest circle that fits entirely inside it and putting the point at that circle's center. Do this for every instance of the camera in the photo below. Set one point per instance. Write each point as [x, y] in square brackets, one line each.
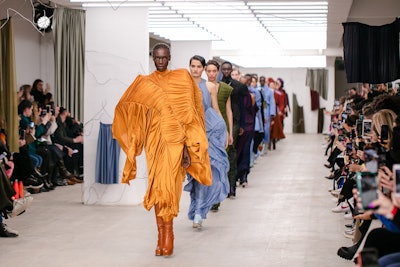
[43, 113]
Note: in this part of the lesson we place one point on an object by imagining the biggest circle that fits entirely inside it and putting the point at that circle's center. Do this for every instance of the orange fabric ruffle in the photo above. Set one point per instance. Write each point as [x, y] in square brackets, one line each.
[162, 112]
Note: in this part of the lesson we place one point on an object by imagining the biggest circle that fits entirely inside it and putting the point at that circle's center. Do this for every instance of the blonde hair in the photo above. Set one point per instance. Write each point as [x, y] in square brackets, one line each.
[383, 117]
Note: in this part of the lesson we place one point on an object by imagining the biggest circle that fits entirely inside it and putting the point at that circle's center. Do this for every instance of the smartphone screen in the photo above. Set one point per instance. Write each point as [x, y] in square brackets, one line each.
[371, 159]
[366, 129]
[384, 132]
[396, 174]
[367, 186]
[349, 148]
[359, 128]
[340, 137]
[348, 108]
[32, 125]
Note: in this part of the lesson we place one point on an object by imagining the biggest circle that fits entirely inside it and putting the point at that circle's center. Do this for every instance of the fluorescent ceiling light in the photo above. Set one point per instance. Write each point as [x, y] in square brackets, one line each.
[282, 3]
[120, 5]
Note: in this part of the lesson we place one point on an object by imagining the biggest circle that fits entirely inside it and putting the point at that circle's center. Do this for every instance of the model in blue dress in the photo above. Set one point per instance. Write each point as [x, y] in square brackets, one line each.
[203, 197]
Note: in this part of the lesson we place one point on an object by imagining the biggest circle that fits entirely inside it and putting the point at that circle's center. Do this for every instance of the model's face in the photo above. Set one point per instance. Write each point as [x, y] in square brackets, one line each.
[161, 58]
[226, 70]
[253, 82]
[278, 84]
[235, 75]
[196, 69]
[272, 85]
[212, 73]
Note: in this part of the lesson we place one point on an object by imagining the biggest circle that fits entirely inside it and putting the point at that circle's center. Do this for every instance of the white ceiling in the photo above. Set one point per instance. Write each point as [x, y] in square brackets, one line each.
[260, 33]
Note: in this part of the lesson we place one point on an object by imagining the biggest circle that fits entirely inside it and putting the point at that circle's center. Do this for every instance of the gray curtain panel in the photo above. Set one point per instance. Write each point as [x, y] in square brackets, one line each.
[317, 79]
[8, 85]
[69, 58]
[298, 116]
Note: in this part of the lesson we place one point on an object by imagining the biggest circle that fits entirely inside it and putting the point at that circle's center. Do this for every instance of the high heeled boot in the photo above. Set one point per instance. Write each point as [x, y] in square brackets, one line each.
[161, 232]
[168, 246]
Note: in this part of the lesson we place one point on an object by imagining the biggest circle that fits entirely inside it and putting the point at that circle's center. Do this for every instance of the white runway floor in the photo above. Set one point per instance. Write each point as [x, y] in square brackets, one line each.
[283, 218]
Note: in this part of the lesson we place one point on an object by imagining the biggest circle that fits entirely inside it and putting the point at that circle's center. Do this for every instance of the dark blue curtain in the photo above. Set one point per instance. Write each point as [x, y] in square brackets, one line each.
[371, 53]
[107, 157]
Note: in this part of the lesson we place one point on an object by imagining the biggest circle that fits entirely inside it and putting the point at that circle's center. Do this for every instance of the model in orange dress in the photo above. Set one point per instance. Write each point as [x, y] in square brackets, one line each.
[163, 113]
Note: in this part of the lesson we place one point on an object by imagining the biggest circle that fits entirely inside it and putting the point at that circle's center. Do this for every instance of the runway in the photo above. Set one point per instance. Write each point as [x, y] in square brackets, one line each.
[283, 218]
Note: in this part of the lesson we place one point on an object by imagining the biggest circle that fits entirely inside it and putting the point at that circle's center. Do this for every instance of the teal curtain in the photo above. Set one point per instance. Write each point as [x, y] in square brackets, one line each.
[8, 85]
[69, 54]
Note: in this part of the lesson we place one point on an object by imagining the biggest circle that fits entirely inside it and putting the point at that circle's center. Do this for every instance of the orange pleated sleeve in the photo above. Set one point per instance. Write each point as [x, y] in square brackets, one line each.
[161, 113]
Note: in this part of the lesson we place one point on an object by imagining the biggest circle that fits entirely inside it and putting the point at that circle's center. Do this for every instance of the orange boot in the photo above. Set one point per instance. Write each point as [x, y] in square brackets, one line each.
[161, 232]
[168, 238]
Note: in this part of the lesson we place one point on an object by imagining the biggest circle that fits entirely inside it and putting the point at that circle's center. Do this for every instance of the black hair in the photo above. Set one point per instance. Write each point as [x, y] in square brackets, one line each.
[213, 62]
[226, 62]
[161, 45]
[198, 58]
[35, 83]
[23, 105]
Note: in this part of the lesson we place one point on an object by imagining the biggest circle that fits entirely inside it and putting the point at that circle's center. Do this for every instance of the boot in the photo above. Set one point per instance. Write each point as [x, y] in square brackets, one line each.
[273, 144]
[168, 238]
[161, 232]
[63, 170]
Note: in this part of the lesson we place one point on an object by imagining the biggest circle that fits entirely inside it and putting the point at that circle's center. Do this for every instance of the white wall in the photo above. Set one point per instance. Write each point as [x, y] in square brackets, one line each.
[33, 50]
[117, 49]
[295, 80]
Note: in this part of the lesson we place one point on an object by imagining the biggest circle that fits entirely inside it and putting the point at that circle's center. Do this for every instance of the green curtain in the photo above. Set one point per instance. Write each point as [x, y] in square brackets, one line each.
[8, 84]
[317, 79]
[69, 58]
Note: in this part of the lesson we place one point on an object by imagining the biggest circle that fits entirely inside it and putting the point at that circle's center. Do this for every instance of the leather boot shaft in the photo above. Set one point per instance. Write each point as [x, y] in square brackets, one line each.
[168, 238]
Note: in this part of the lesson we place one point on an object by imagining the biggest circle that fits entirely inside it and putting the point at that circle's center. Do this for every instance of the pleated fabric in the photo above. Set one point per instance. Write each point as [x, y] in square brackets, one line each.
[107, 157]
[161, 113]
[203, 197]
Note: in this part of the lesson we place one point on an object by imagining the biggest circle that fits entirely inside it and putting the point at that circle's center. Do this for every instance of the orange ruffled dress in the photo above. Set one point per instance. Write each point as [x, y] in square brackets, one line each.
[162, 112]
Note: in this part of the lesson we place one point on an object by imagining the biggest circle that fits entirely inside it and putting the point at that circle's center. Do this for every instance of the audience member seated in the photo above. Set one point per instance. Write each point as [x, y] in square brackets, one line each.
[72, 145]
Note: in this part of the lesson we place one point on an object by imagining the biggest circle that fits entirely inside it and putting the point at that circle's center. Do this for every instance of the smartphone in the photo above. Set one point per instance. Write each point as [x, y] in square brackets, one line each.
[367, 186]
[344, 116]
[396, 177]
[384, 133]
[348, 108]
[31, 125]
[43, 113]
[21, 134]
[48, 108]
[336, 103]
[340, 137]
[359, 128]
[349, 148]
[371, 159]
[366, 128]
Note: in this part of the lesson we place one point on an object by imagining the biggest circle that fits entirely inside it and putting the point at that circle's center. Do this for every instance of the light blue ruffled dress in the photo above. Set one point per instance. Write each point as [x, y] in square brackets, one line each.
[203, 197]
